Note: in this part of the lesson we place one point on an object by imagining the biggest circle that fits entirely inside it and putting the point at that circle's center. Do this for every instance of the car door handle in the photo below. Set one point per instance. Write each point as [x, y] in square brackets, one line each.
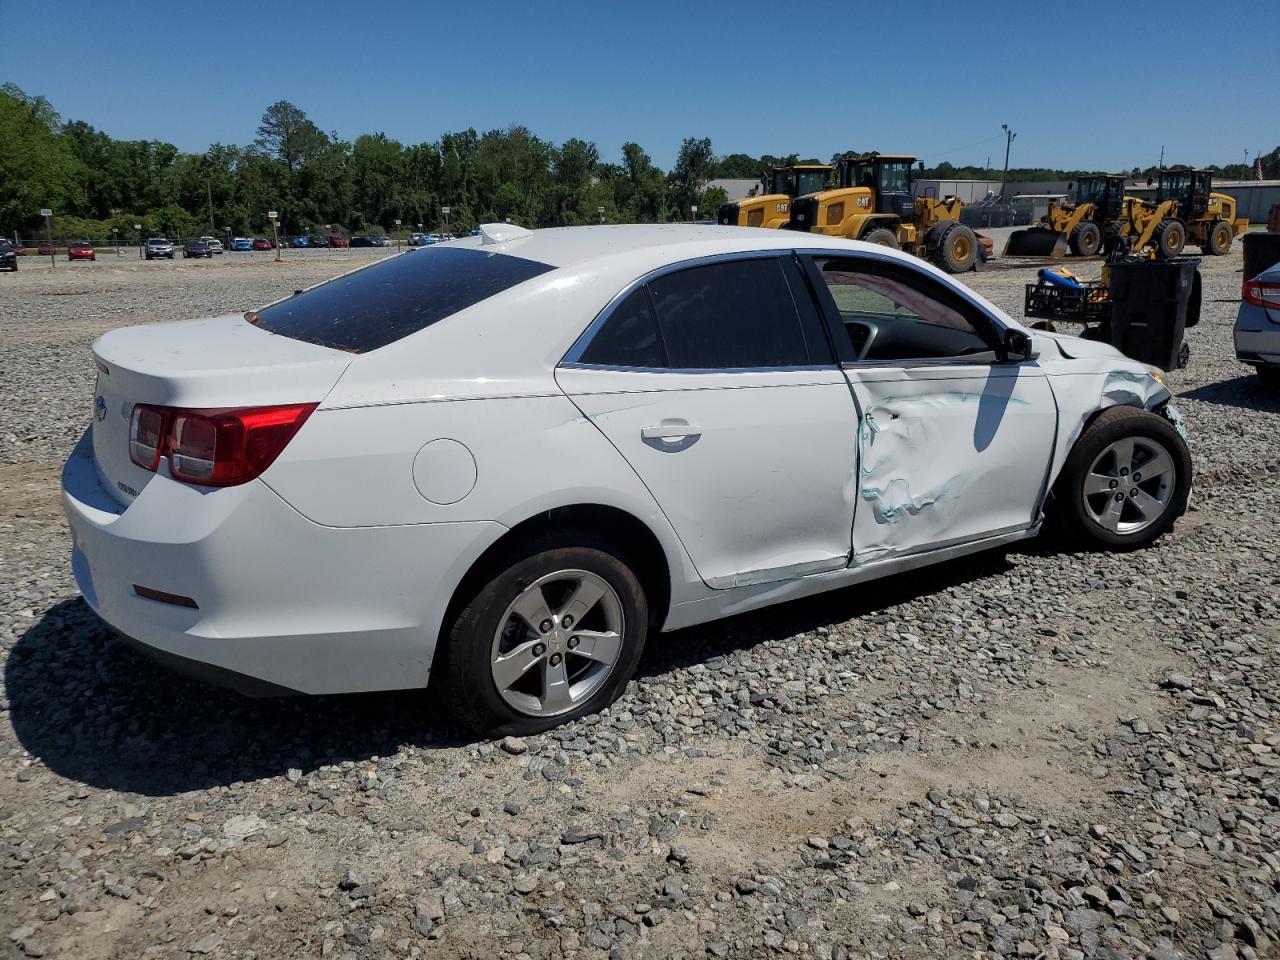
[670, 431]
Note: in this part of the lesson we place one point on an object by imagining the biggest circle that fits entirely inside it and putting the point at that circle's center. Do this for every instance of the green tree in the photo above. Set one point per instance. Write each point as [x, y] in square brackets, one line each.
[287, 135]
[37, 166]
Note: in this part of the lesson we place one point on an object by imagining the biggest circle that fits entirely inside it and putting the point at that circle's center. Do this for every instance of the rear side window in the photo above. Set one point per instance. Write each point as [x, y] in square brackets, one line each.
[725, 315]
[383, 303]
[631, 337]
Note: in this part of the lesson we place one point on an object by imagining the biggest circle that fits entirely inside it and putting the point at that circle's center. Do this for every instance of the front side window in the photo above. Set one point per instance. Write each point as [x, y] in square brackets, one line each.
[380, 304]
[892, 313]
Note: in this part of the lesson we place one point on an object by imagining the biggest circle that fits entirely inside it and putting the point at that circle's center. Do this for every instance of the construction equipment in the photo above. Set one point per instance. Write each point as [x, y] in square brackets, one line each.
[873, 202]
[1186, 204]
[771, 206]
[1077, 226]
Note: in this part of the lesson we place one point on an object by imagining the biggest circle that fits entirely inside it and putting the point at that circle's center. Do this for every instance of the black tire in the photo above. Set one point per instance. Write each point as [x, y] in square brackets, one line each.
[1169, 237]
[1086, 239]
[957, 250]
[1218, 241]
[882, 236]
[464, 655]
[1073, 512]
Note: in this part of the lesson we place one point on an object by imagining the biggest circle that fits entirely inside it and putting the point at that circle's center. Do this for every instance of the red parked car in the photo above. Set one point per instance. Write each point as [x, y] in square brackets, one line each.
[45, 249]
[337, 241]
[81, 250]
[262, 243]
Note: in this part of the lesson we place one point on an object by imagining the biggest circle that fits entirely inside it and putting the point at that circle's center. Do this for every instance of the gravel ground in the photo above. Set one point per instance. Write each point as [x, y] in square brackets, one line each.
[1034, 754]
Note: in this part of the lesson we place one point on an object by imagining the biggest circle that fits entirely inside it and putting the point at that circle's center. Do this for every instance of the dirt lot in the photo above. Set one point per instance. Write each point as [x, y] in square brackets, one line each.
[1038, 754]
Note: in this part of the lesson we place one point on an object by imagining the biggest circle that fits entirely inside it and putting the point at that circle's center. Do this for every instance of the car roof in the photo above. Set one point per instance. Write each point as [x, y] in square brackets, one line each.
[668, 242]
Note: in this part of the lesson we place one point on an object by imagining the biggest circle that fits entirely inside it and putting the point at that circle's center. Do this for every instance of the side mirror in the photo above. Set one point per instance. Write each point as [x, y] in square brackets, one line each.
[1018, 347]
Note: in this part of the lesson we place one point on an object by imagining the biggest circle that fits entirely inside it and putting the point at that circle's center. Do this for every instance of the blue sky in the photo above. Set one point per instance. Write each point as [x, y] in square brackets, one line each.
[935, 79]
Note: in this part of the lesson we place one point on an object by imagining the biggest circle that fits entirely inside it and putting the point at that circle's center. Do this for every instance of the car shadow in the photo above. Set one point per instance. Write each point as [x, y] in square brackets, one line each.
[1246, 391]
[93, 710]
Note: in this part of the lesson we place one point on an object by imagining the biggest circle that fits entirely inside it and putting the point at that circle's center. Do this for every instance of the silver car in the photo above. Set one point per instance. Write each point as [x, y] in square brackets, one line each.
[1257, 330]
[159, 247]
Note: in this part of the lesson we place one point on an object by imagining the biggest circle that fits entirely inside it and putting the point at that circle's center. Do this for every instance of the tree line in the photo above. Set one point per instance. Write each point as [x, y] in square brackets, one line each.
[319, 181]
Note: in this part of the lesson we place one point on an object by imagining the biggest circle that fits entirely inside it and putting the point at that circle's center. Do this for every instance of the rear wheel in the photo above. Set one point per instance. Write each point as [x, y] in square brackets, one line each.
[1086, 239]
[1126, 481]
[553, 635]
[1218, 242]
[883, 236]
[957, 249]
[1170, 237]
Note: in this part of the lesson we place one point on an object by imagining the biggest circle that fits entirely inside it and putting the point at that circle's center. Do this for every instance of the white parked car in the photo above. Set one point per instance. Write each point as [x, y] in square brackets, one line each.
[215, 245]
[502, 463]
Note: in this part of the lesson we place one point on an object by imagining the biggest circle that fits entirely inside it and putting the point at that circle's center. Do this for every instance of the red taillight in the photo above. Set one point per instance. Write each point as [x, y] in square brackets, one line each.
[1262, 293]
[218, 448]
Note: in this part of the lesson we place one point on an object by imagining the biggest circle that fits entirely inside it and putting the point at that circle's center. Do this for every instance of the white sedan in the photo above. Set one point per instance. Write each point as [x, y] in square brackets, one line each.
[500, 463]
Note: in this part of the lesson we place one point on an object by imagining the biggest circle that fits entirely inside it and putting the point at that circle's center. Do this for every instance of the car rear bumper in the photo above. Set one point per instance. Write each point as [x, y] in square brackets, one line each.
[1257, 337]
[282, 603]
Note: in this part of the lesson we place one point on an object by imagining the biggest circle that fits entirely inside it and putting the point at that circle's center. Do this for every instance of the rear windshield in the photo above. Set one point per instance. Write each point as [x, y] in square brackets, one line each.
[382, 303]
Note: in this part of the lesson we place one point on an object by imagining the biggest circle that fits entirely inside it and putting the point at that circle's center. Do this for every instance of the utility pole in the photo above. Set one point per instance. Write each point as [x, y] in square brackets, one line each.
[208, 187]
[1160, 165]
[1008, 142]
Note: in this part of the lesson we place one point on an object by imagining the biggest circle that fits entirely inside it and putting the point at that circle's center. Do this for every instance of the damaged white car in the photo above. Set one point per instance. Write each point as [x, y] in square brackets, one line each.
[500, 463]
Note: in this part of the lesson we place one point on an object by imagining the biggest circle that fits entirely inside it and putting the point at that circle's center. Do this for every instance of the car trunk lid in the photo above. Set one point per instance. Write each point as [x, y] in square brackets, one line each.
[220, 363]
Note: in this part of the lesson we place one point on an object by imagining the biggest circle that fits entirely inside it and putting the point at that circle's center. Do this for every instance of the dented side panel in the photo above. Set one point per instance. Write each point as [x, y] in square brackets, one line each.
[947, 454]
[1083, 387]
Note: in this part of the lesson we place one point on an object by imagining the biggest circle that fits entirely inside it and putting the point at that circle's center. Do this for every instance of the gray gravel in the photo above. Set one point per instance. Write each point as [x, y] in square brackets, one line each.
[1038, 754]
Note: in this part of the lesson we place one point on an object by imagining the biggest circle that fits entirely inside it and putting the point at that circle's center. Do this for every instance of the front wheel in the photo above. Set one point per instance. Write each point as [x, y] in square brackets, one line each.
[1126, 481]
[1086, 239]
[1170, 237]
[551, 637]
[957, 249]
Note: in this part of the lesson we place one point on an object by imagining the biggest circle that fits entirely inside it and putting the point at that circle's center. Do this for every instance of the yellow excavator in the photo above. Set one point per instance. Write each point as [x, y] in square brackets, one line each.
[771, 206]
[873, 202]
[1079, 226]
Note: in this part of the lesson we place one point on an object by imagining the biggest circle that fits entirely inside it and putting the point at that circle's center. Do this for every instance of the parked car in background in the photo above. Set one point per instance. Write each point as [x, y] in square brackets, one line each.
[299, 242]
[81, 250]
[318, 241]
[196, 248]
[46, 249]
[262, 243]
[361, 242]
[8, 255]
[1257, 329]
[318, 496]
[241, 243]
[381, 240]
[215, 245]
[419, 240]
[158, 247]
[337, 241]
[20, 247]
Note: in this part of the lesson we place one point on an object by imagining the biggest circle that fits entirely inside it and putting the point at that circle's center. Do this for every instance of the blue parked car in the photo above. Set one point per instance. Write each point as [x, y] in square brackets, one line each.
[242, 243]
[299, 242]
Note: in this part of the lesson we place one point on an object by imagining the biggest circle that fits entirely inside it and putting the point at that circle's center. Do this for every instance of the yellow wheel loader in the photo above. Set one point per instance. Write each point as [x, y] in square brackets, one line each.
[771, 206]
[873, 202]
[1189, 210]
[1077, 226]
[1185, 209]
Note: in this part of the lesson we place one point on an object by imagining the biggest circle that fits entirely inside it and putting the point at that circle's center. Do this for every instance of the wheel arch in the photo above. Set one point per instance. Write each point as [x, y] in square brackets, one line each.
[634, 540]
